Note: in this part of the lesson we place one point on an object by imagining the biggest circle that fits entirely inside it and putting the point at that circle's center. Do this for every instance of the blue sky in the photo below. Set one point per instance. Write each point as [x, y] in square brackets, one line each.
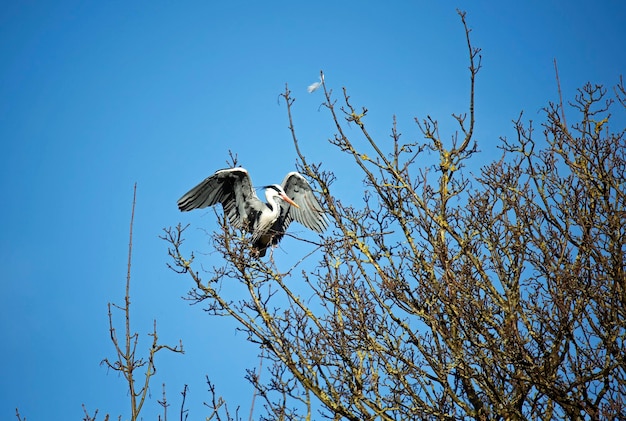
[95, 96]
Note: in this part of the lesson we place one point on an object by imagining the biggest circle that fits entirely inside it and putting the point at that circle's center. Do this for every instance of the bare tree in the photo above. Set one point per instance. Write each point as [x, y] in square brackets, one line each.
[127, 361]
[444, 294]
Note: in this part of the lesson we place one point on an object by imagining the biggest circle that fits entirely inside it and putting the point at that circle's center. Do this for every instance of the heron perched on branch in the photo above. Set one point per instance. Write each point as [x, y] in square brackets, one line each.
[293, 200]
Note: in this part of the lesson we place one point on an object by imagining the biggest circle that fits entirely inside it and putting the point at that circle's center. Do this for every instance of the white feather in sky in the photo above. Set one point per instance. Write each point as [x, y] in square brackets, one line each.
[315, 86]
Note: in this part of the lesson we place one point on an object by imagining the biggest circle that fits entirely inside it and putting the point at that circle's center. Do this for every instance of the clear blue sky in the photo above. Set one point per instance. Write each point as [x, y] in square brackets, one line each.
[95, 96]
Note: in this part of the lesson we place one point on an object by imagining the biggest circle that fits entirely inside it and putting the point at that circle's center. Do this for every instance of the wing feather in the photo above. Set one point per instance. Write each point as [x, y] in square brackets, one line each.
[231, 187]
[310, 213]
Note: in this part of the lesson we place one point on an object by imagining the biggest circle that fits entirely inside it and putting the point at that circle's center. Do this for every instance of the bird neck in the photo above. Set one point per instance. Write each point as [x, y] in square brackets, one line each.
[273, 201]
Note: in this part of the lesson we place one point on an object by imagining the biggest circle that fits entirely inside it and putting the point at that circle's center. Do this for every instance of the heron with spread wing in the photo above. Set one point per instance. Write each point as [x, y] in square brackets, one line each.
[267, 222]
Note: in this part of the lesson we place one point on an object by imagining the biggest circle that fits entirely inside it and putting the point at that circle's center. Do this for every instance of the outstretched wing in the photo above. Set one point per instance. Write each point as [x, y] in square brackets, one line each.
[230, 187]
[310, 213]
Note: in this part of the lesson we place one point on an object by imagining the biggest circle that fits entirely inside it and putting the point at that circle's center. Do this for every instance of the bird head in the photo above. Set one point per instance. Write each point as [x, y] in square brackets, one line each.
[274, 190]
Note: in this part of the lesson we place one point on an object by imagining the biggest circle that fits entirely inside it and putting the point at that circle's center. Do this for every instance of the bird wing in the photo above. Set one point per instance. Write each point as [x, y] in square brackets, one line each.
[230, 187]
[310, 213]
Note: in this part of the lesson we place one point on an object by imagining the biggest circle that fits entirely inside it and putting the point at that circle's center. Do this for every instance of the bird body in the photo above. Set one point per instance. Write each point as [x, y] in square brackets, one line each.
[293, 200]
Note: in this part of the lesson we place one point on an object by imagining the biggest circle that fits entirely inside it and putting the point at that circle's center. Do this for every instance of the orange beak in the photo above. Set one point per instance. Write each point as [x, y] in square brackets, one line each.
[288, 200]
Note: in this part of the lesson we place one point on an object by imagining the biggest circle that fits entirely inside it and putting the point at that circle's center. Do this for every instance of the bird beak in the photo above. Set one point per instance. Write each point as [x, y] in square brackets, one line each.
[288, 200]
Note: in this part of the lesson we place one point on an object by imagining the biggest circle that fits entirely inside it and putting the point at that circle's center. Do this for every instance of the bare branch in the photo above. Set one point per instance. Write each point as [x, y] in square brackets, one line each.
[126, 361]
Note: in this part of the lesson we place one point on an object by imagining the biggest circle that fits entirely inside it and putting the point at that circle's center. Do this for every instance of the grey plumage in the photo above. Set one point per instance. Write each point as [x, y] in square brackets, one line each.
[291, 201]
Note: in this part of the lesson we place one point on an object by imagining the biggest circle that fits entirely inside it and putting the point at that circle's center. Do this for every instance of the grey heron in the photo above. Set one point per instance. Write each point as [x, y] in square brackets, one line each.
[293, 200]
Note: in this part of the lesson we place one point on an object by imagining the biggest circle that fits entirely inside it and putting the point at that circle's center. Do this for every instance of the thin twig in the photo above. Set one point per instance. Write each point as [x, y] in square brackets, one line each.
[558, 83]
[258, 376]
[17, 414]
[183, 411]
